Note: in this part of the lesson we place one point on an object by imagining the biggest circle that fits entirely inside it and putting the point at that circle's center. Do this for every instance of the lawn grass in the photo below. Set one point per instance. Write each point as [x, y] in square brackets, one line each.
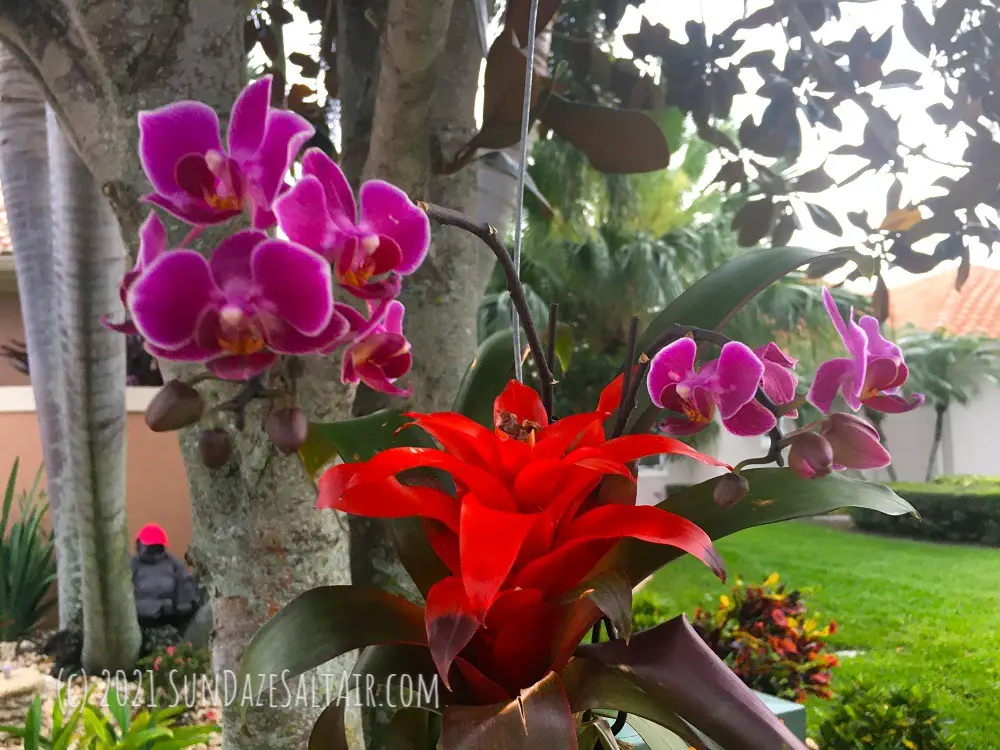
[920, 613]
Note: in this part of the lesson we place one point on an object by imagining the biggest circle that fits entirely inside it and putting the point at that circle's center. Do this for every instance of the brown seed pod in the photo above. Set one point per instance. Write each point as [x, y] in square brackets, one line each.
[176, 405]
[730, 490]
[214, 447]
[287, 427]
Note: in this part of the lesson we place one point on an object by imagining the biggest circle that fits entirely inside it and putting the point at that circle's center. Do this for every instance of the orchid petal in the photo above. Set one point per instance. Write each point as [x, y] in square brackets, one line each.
[855, 443]
[285, 134]
[296, 284]
[152, 240]
[302, 215]
[230, 262]
[830, 376]
[878, 345]
[753, 418]
[284, 339]
[389, 212]
[883, 373]
[376, 379]
[249, 119]
[737, 375]
[671, 365]
[169, 133]
[891, 404]
[242, 366]
[186, 209]
[169, 299]
[339, 196]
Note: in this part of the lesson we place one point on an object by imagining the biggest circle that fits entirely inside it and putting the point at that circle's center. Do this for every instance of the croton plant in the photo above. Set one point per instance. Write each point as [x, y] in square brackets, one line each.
[518, 526]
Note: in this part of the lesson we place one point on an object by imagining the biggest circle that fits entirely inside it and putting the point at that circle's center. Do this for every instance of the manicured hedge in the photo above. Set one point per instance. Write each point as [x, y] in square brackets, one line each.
[963, 509]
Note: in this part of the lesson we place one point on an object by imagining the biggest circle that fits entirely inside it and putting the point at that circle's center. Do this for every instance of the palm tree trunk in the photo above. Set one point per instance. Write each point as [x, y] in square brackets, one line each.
[939, 411]
[90, 255]
[24, 174]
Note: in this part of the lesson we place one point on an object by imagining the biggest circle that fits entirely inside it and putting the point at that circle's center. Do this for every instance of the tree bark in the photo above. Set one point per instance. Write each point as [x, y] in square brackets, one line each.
[939, 411]
[90, 255]
[24, 171]
[257, 539]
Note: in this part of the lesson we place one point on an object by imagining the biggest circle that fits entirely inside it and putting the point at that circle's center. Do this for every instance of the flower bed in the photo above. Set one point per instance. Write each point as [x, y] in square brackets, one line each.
[952, 509]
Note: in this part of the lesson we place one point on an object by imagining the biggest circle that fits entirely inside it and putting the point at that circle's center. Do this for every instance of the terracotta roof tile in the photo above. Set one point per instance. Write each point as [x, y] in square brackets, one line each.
[931, 303]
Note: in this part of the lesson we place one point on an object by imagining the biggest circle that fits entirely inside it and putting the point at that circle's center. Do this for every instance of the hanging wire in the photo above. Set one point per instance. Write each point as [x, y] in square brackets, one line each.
[529, 70]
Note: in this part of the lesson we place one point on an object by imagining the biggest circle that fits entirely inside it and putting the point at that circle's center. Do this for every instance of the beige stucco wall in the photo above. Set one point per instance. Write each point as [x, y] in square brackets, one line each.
[156, 484]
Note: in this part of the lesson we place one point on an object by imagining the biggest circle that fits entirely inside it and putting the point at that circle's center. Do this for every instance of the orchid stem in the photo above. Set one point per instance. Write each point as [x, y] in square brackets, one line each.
[491, 238]
[550, 347]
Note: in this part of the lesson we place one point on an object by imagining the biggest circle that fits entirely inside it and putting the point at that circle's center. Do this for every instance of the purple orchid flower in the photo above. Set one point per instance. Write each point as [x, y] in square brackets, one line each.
[730, 382]
[198, 180]
[369, 248]
[872, 375]
[779, 381]
[257, 298]
[856, 444]
[152, 241]
[811, 455]
[380, 354]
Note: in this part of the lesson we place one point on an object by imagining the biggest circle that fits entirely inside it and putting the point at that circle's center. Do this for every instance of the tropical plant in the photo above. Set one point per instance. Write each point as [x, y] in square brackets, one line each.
[949, 370]
[175, 671]
[27, 564]
[867, 715]
[766, 636]
[114, 727]
[63, 728]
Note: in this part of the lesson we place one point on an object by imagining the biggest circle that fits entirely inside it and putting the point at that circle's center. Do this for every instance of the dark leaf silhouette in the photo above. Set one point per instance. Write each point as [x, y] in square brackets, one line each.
[753, 221]
[824, 219]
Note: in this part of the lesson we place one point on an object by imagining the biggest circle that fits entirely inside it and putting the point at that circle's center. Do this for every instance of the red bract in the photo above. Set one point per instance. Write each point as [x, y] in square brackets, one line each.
[526, 524]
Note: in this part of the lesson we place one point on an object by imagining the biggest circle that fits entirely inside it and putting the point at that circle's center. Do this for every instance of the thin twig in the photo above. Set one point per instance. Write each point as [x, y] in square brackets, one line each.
[550, 346]
[491, 238]
[623, 410]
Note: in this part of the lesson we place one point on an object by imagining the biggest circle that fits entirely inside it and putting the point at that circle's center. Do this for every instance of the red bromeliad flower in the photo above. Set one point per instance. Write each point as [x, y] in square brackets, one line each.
[528, 521]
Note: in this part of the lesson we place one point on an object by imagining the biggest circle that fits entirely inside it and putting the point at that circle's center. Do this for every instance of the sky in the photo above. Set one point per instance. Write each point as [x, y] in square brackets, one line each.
[907, 104]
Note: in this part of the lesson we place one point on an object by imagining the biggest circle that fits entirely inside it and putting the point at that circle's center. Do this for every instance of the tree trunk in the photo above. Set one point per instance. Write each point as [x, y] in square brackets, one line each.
[939, 411]
[24, 176]
[89, 254]
[257, 539]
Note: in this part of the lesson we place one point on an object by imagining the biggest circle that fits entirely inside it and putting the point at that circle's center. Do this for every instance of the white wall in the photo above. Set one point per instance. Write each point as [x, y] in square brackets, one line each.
[970, 443]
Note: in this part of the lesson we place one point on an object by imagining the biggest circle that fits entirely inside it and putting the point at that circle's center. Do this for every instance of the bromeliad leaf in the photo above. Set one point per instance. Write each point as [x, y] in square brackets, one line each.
[673, 666]
[611, 591]
[539, 718]
[329, 732]
[326, 622]
[775, 495]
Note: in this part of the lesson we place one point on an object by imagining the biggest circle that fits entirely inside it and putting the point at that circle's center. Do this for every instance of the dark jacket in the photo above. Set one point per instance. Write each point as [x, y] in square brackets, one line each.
[163, 586]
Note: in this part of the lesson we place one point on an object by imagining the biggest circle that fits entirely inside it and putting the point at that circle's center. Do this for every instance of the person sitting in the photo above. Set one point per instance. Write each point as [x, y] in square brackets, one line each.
[165, 592]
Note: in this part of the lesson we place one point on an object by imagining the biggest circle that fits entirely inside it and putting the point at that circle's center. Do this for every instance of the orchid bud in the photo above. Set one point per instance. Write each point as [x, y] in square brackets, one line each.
[214, 447]
[176, 405]
[811, 455]
[287, 428]
[730, 489]
[855, 443]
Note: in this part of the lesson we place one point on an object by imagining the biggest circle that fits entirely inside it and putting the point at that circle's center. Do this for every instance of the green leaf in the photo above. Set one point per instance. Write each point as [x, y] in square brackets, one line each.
[775, 495]
[539, 718]
[713, 301]
[33, 725]
[383, 666]
[564, 345]
[486, 377]
[326, 622]
[120, 709]
[408, 730]
[592, 685]
[596, 735]
[352, 439]
[673, 666]
[656, 736]
[329, 731]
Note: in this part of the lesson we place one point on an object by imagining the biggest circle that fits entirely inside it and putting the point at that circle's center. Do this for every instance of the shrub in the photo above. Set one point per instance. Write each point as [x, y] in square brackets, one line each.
[763, 634]
[874, 717]
[962, 509]
[27, 562]
[172, 669]
[647, 613]
[156, 639]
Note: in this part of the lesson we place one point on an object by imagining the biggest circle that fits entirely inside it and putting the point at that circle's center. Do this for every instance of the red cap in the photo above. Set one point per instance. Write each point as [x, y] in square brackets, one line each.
[151, 534]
